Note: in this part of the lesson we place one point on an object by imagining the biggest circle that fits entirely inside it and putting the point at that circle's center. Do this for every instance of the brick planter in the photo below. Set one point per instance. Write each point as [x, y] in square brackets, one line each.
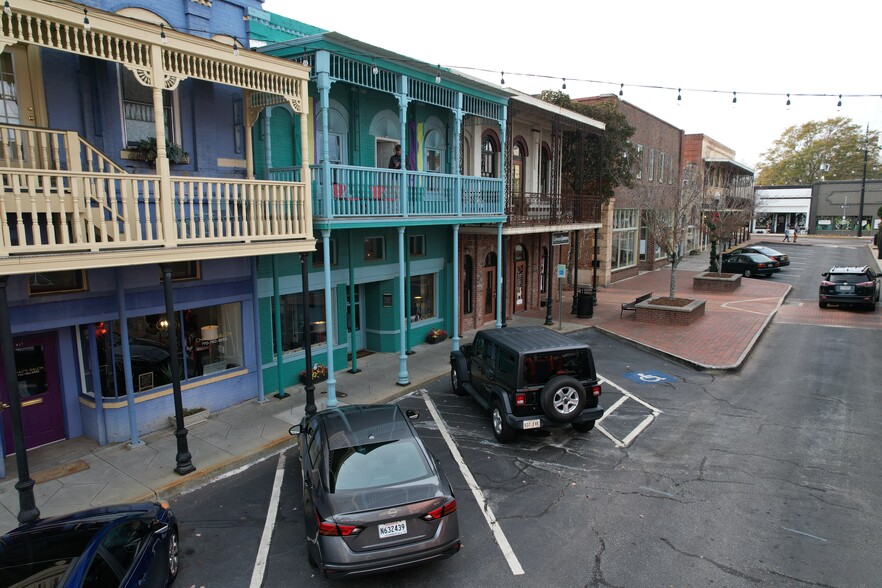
[670, 315]
[716, 282]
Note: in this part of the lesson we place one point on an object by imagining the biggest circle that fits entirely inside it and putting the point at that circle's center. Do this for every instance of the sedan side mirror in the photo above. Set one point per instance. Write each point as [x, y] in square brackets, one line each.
[294, 430]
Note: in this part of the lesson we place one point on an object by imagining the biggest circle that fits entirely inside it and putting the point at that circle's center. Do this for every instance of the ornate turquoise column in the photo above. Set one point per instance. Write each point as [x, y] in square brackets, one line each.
[403, 376]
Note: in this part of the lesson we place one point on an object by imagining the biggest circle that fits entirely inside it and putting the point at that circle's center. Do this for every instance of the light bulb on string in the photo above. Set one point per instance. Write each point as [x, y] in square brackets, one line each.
[162, 36]
[374, 69]
[86, 24]
[235, 49]
[839, 104]
[305, 62]
[788, 101]
[6, 8]
[621, 89]
[734, 99]
[564, 86]
[679, 96]
[438, 75]
[502, 78]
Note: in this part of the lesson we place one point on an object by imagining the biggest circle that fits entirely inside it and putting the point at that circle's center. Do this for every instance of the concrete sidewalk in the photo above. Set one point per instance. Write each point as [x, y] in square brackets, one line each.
[77, 474]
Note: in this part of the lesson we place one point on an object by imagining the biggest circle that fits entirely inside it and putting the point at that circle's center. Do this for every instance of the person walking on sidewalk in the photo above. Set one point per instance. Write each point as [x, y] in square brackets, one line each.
[795, 233]
[786, 238]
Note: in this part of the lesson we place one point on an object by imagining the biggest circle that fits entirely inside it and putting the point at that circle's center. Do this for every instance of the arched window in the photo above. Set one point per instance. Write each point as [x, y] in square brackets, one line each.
[520, 254]
[338, 132]
[468, 284]
[489, 155]
[545, 168]
[435, 145]
[518, 167]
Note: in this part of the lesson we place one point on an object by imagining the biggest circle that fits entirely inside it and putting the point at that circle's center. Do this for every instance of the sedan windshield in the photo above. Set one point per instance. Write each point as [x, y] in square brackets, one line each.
[377, 464]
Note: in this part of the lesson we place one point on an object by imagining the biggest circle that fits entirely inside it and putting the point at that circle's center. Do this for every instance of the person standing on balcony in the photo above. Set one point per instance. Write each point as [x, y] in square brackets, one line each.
[395, 160]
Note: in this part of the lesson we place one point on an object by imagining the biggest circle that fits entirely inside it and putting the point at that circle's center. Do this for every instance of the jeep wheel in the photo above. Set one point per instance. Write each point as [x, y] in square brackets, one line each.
[455, 382]
[563, 398]
[584, 427]
[501, 429]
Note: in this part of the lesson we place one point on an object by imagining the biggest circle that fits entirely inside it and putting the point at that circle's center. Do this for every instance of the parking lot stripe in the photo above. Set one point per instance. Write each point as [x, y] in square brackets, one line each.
[501, 540]
[654, 410]
[637, 430]
[266, 538]
[610, 435]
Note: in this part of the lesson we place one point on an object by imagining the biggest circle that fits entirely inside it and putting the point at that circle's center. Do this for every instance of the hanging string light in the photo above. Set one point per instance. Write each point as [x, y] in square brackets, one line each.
[622, 89]
[839, 104]
[162, 36]
[235, 49]
[374, 69]
[86, 24]
[438, 75]
[734, 99]
[305, 62]
[6, 8]
[564, 87]
[502, 78]
[679, 96]
[788, 101]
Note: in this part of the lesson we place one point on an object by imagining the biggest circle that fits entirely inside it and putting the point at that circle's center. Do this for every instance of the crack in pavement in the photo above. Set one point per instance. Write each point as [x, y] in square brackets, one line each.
[597, 578]
[800, 580]
[727, 569]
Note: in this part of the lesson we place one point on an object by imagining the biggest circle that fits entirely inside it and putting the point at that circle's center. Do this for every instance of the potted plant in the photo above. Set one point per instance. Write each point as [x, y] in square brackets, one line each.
[147, 150]
[436, 336]
[191, 416]
[319, 373]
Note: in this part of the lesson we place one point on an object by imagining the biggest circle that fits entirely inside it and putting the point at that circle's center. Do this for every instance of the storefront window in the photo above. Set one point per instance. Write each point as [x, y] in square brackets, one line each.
[422, 297]
[294, 325]
[624, 238]
[210, 342]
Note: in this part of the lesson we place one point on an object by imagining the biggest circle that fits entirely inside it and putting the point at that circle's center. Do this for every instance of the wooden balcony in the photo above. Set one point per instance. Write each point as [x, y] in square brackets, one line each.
[537, 209]
[357, 192]
[61, 196]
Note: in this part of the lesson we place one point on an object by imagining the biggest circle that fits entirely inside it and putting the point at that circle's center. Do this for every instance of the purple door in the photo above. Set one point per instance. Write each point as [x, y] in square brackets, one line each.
[36, 363]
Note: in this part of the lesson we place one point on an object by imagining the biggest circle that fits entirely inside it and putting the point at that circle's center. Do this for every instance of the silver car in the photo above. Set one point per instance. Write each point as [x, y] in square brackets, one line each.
[374, 498]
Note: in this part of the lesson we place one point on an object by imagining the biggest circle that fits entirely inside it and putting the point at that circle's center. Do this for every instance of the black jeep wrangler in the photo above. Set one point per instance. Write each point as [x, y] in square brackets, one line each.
[528, 378]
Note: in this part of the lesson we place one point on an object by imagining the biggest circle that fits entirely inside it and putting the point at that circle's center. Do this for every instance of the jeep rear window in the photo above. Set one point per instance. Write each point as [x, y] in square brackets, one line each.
[541, 367]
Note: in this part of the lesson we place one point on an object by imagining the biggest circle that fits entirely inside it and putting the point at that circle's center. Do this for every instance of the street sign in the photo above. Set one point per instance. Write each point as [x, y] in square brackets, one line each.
[561, 270]
[560, 239]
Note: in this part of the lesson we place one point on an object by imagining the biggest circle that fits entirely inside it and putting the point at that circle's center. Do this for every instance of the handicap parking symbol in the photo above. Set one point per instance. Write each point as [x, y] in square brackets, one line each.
[649, 377]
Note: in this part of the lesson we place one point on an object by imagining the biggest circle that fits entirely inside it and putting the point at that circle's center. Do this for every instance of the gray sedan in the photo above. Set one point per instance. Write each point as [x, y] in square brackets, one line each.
[374, 498]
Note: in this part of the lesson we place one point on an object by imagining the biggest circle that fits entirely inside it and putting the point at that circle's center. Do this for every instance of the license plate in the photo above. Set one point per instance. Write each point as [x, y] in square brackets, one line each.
[846, 289]
[532, 424]
[393, 529]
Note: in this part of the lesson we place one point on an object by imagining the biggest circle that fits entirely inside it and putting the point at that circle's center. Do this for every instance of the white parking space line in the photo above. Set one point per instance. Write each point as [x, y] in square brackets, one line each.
[625, 396]
[501, 540]
[267, 537]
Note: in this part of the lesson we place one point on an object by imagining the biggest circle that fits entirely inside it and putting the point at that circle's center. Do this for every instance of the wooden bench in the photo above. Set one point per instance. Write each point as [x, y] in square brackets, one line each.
[633, 305]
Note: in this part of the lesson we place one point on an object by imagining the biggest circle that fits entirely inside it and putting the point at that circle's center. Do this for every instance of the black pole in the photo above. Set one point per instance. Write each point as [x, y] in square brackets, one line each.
[549, 320]
[863, 183]
[576, 274]
[504, 266]
[183, 458]
[307, 347]
[27, 506]
[594, 264]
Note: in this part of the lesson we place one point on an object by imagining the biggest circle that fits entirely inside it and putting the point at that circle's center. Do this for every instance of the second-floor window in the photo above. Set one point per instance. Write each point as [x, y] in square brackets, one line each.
[138, 112]
[489, 157]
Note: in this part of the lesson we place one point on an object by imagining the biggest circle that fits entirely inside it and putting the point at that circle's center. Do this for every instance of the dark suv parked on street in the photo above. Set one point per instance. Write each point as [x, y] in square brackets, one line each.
[849, 285]
[528, 378]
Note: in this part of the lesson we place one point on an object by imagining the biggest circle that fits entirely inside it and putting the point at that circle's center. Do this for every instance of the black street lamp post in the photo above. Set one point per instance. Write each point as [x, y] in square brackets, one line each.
[183, 458]
[309, 386]
[27, 506]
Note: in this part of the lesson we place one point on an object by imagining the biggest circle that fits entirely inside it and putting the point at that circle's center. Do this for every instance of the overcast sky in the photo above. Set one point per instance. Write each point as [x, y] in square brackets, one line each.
[769, 46]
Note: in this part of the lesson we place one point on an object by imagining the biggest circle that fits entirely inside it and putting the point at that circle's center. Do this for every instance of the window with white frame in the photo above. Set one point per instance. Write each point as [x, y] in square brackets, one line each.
[139, 117]
[639, 161]
[650, 169]
[661, 167]
[624, 237]
[435, 145]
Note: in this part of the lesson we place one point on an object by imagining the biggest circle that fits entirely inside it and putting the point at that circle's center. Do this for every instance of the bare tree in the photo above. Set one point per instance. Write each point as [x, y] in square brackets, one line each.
[668, 211]
[729, 206]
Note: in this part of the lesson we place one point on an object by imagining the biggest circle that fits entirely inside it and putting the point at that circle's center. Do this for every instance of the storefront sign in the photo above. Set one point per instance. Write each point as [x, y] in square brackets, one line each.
[560, 239]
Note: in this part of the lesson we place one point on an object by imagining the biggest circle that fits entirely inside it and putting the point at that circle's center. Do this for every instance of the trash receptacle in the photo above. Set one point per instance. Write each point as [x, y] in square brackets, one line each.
[585, 304]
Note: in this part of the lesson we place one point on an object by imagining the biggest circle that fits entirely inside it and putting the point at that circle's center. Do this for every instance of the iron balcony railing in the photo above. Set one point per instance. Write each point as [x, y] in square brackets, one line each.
[533, 208]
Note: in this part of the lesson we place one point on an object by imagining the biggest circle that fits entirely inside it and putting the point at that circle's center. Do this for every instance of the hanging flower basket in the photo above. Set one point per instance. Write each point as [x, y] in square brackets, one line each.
[319, 374]
[436, 336]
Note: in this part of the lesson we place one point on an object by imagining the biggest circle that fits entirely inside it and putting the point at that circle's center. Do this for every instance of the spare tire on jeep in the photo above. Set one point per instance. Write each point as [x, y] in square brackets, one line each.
[563, 398]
